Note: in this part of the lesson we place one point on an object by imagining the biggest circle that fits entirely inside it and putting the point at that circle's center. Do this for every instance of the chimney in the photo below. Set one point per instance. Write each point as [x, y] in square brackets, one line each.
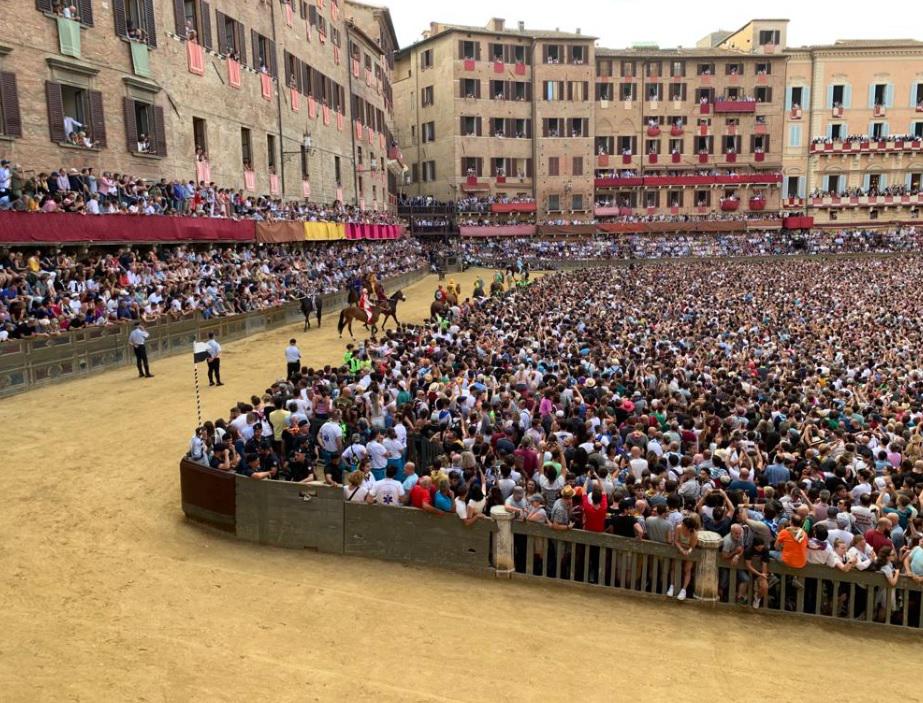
[496, 24]
[578, 30]
[522, 26]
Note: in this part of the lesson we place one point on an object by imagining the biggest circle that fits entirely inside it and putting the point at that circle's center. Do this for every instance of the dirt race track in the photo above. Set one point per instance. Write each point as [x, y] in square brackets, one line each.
[108, 594]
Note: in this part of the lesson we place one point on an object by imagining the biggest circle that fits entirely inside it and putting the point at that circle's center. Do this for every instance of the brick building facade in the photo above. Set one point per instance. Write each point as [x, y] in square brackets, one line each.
[284, 97]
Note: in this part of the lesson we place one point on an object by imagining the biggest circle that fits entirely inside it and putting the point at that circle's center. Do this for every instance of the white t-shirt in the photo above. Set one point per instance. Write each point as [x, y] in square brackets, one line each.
[377, 454]
[330, 433]
[360, 494]
[637, 467]
[461, 508]
[388, 492]
[292, 355]
[394, 448]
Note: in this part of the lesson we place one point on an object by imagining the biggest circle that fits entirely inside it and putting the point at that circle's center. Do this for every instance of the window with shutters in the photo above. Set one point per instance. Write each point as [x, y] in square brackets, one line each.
[200, 137]
[271, 152]
[134, 19]
[337, 171]
[79, 10]
[554, 166]
[144, 120]
[554, 202]
[305, 172]
[230, 36]
[426, 96]
[75, 102]
[10, 119]
[577, 166]
[189, 25]
[246, 148]
[426, 59]
[428, 131]
[429, 171]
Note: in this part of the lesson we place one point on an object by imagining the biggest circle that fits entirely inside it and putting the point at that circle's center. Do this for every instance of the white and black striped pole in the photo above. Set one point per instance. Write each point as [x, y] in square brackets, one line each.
[199, 354]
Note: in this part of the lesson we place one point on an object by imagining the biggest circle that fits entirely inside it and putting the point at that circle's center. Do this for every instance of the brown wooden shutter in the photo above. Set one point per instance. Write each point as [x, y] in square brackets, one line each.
[220, 35]
[461, 50]
[205, 14]
[150, 22]
[286, 60]
[312, 15]
[97, 119]
[160, 135]
[528, 168]
[241, 41]
[255, 38]
[131, 125]
[121, 19]
[43, 5]
[273, 67]
[9, 101]
[55, 111]
[477, 126]
[306, 80]
[179, 16]
[528, 91]
[85, 8]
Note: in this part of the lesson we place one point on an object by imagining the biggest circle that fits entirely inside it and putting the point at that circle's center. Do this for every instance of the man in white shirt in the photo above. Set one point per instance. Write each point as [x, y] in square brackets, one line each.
[353, 454]
[637, 465]
[330, 438]
[292, 360]
[214, 360]
[388, 491]
[378, 456]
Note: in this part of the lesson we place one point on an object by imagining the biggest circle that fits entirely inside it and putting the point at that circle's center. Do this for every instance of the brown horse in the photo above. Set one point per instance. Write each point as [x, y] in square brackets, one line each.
[383, 311]
[438, 307]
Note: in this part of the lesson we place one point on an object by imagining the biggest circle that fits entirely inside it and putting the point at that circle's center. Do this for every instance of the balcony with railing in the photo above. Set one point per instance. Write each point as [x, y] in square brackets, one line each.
[691, 179]
[868, 145]
[844, 201]
[735, 106]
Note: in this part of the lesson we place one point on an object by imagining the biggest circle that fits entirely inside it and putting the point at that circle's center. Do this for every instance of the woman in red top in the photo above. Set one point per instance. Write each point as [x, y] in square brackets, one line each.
[595, 505]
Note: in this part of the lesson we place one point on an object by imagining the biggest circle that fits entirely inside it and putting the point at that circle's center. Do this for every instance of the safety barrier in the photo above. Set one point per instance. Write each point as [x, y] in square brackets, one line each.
[316, 516]
[37, 361]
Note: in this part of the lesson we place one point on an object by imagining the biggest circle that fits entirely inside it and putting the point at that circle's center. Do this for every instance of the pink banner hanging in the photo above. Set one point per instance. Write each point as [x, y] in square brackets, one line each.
[266, 86]
[340, 194]
[203, 171]
[274, 187]
[312, 107]
[250, 181]
[234, 73]
[289, 15]
[296, 99]
[195, 57]
[341, 121]
[306, 188]
[326, 114]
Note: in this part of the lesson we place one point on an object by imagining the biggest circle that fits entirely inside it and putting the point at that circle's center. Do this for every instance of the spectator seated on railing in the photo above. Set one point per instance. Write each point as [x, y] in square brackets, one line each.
[53, 291]
[704, 410]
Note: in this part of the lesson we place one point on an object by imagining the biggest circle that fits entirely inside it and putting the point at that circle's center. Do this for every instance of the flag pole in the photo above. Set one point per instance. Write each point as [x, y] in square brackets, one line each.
[198, 399]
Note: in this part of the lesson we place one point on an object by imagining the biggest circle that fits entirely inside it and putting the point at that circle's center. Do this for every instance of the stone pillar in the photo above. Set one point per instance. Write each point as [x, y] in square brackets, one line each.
[503, 541]
[706, 569]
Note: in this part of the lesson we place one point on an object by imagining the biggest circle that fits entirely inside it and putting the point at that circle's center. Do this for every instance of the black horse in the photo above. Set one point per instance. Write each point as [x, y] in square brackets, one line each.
[311, 304]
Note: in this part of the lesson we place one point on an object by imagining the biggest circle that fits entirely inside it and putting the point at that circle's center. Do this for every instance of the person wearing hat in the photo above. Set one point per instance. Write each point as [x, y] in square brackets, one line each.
[138, 341]
[354, 453]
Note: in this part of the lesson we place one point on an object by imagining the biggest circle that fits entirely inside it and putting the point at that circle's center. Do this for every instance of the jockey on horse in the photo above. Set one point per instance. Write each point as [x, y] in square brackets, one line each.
[364, 303]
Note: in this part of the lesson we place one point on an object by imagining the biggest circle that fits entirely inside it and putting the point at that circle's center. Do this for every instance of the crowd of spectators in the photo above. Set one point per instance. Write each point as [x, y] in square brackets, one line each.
[710, 216]
[646, 402]
[544, 253]
[52, 291]
[895, 190]
[85, 192]
[865, 138]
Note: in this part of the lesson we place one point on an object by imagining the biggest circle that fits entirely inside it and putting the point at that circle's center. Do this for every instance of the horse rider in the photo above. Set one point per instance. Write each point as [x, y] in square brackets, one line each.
[380, 291]
[365, 304]
[498, 277]
[479, 287]
[440, 295]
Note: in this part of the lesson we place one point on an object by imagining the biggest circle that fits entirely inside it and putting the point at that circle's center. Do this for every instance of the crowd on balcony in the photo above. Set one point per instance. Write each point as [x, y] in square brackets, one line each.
[51, 291]
[646, 403]
[856, 192]
[544, 253]
[84, 192]
[483, 203]
[676, 173]
[423, 202]
[865, 138]
[711, 216]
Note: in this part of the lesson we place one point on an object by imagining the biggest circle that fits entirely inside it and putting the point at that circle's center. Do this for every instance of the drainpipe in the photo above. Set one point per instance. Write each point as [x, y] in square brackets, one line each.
[535, 128]
[272, 19]
[352, 130]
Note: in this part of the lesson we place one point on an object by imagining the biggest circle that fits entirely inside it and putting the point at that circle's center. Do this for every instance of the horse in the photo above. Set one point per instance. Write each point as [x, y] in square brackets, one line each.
[496, 288]
[308, 306]
[354, 312]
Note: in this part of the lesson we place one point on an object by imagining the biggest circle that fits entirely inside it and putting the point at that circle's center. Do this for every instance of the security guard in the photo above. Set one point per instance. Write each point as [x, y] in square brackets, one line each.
[138, 341]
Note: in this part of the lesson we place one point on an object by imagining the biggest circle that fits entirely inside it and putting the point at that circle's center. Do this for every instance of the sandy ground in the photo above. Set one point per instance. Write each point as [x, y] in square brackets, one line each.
[108, 594]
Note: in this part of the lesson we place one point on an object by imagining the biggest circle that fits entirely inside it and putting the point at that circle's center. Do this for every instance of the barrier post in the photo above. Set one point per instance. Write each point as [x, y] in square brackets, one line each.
[706, 568]
[503, 542]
